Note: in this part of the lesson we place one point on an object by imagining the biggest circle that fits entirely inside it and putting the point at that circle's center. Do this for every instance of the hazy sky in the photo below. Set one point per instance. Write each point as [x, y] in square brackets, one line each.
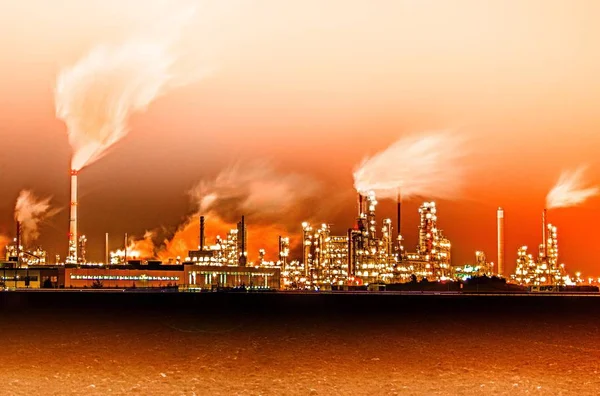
[316, 86]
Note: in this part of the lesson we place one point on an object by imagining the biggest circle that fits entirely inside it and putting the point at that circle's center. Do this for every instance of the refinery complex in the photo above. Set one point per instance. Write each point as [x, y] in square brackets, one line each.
[371, 252]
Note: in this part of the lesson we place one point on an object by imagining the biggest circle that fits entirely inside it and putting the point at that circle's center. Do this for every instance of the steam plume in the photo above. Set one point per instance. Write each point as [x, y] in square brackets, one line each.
[256, 190]
[570, 190]
[270, 200]
[429, 165]
[96, 96]
[140, 249]
[31, 211]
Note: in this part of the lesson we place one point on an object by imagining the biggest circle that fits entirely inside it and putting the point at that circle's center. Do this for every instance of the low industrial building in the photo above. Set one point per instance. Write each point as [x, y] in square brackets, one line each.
[210, 277]
[33, 277]
[136, 274]
[125, 276]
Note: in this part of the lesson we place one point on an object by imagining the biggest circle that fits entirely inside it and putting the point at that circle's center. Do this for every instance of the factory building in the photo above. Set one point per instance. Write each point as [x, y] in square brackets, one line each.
[123, 276]
[231, 251]
[330, 260]
[211, 277]
[21, 255]
[187, 276]
[432, 259]
[25, 257]
[481, 267]
[29, 277]
[543, 270]
[368, 253]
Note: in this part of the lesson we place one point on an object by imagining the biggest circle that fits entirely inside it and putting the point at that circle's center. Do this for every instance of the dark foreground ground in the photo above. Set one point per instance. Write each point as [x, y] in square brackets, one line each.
[258, 344]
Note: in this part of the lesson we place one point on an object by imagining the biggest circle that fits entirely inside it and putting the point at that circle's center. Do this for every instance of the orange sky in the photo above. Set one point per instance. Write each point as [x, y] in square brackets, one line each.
[315, 86]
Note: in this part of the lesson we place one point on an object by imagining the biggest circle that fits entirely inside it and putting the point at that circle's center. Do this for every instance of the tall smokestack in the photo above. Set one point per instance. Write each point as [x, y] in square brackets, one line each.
[201, 232]
[18, 243]
[544, 241]
[399, 223]
[73, 219]
[281, 251]
[242, 242]
[351, 252]
[106, 262]
[360, 205]
[500, 241]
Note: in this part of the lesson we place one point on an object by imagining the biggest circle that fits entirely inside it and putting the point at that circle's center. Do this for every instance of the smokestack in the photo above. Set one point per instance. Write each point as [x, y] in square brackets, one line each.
[106, 262]
[242, 242]
[544, 240]
[18, 243]
[351, 252]
[201, 232]
[399, 224]
[243, 236]
[360, 205]
[73, 219]
[125, 254]
[500, 241]
[281, 253]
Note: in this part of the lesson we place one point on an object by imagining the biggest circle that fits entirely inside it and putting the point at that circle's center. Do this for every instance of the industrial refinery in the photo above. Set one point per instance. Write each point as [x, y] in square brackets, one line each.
[371, 252]
[545, 268]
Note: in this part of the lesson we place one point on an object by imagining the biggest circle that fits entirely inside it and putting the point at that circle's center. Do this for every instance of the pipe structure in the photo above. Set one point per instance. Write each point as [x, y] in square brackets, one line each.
[500, 241]
[399, 216]
[280, 248]
[106, 262]
[399, 223]
[350, 252]
[73, 219]
[242, 242]
[201, 247]
[18, 244]
[544, 240]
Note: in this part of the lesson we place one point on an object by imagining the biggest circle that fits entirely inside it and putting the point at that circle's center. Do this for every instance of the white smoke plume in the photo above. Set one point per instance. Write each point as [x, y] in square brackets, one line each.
[96, 96]
[429, 165]
[256, 190]
[570, 190]
[30, 211]
[273, 202]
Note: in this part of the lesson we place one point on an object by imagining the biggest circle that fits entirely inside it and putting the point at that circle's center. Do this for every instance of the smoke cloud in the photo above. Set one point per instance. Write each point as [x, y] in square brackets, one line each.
[271, 202]
[429, 165]
[138, 249]
[256, 190]
[31, 212]
[96, 96]
[570, 190]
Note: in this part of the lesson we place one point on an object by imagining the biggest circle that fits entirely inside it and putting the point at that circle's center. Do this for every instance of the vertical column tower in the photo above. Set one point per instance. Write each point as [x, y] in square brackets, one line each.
[73, 241]
[500, 241]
